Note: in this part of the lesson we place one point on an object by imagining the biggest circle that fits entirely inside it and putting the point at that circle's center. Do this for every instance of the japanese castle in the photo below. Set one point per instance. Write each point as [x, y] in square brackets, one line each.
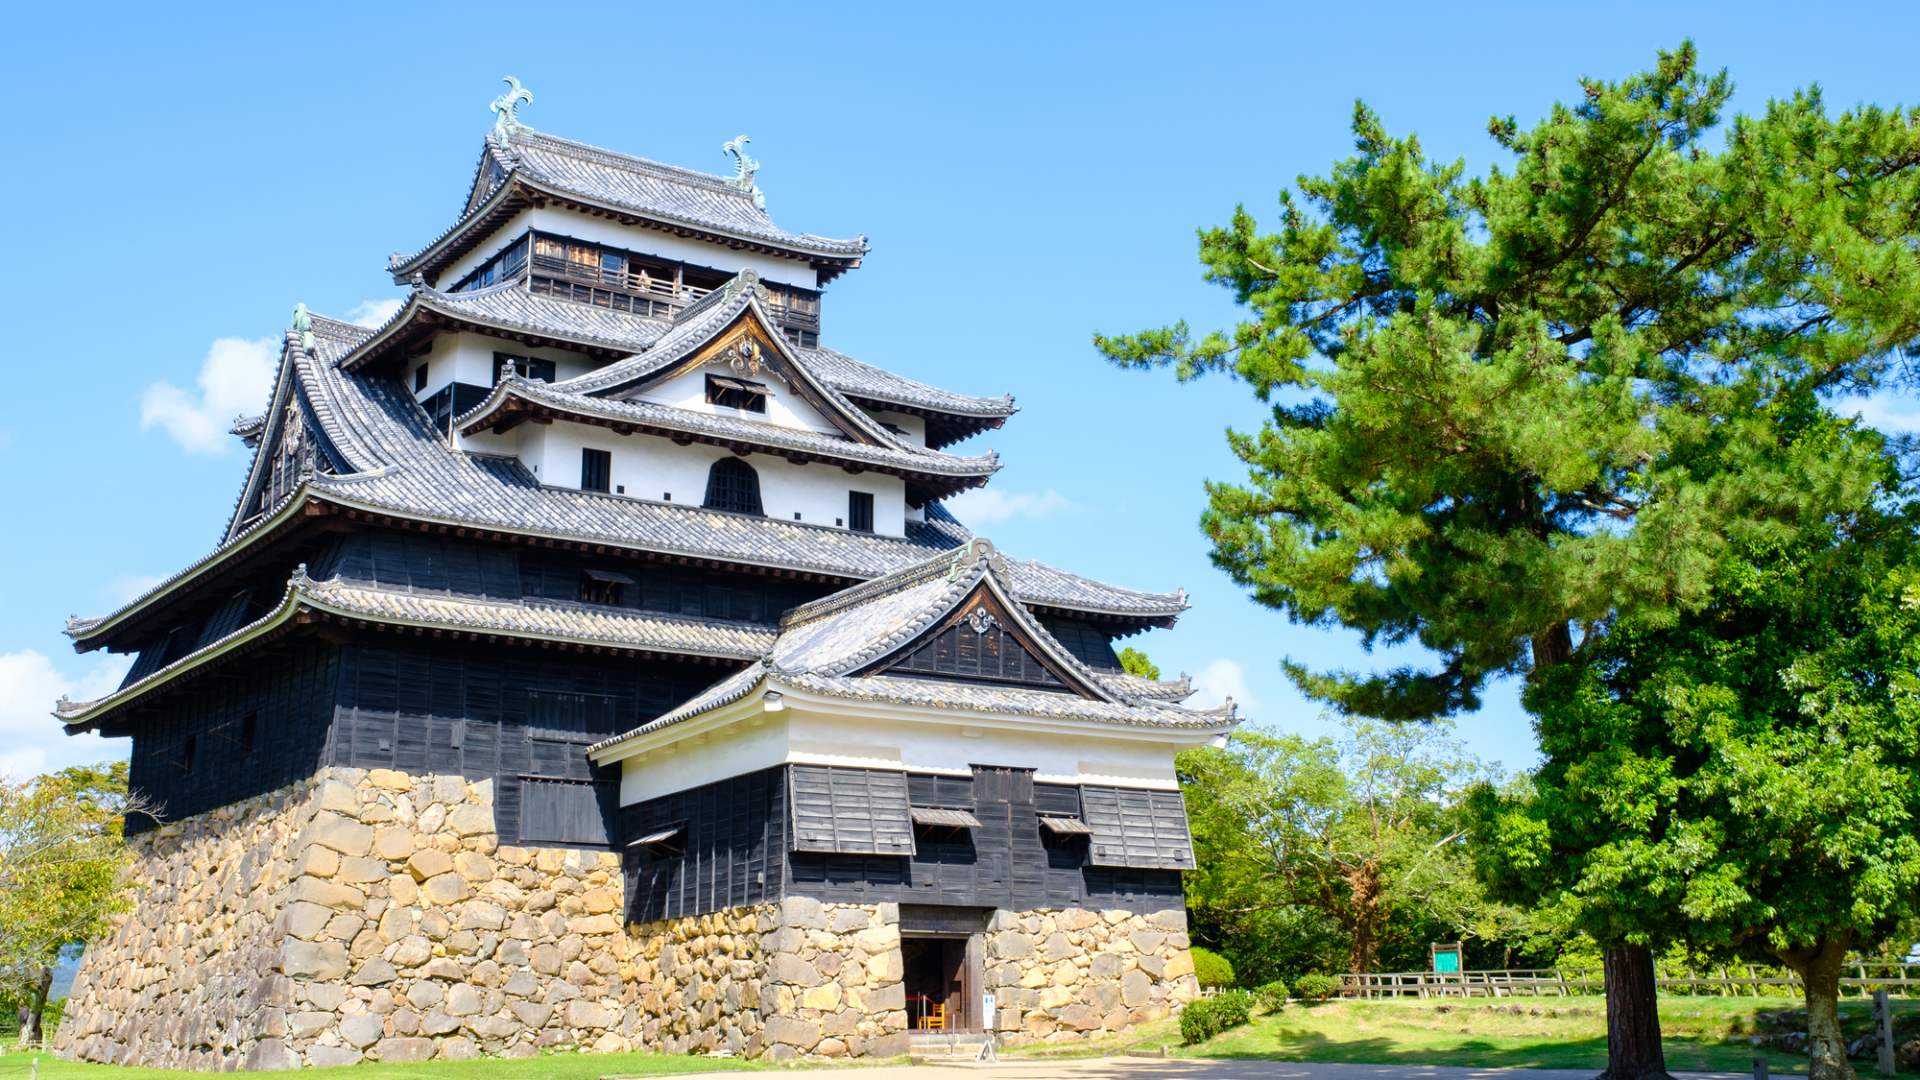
[590, 662]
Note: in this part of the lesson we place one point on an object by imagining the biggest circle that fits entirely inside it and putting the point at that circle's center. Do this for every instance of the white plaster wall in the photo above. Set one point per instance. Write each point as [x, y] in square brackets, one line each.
[562, 222]
[740, 748]
[784, 407]
[651, 467]
[468, 357]
[808, 738]
[914, 426]
[955, 748]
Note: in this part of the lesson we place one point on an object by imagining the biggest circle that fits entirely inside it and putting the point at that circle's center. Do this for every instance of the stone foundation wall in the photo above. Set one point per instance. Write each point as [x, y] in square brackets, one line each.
[356, 915]
[1062, 975]
[794, 979]
[185, 978]
[375, 915]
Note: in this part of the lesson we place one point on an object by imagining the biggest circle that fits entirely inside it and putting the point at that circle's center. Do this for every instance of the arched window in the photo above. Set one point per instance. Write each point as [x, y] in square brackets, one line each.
[733, 485]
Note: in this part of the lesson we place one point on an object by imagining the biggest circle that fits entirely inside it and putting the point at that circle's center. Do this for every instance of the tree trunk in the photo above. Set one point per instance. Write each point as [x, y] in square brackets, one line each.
[1818, 966]
[34, 1034]
[1633, 1016]
[1364, 915]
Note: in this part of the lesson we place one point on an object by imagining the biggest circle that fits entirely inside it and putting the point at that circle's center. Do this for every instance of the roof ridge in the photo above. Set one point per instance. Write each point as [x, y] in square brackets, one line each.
[913, 574]
[618, 159]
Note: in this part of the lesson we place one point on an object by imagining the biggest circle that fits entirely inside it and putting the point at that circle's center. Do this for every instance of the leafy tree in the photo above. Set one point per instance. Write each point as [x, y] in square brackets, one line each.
[1748, 769]
[1355, 831]
[61, 865]
[1510, 408]
[1135, 662]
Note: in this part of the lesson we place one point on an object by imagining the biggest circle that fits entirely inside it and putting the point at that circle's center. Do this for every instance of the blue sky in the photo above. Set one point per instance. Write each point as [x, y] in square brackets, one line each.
[1027, 174]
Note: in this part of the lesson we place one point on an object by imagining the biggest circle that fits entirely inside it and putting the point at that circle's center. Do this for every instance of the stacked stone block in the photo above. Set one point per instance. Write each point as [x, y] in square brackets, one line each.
[373, 915]
[361, 915]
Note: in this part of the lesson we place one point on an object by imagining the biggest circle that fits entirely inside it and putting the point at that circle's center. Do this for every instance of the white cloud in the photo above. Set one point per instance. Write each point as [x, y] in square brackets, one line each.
[1219, 680]
[234, 379]
[372, 313]
[1896, 414]
[31, 741]
[986, 506]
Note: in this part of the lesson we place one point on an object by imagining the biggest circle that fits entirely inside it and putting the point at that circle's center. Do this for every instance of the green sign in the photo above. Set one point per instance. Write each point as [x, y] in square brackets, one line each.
[1446, 959]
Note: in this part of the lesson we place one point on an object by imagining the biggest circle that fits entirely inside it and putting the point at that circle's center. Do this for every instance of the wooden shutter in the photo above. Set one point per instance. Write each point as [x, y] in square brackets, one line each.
[1136, 827]
[556, 811]
[850, 811]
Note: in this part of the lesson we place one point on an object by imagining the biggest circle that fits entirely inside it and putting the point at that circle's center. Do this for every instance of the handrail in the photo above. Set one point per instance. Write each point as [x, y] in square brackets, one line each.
[1865, 976]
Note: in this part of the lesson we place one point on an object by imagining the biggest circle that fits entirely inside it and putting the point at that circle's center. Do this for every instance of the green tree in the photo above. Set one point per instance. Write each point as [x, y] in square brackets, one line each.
[1135, 662]
[1748, 769]
[1357, 831]
[62, 861]
[1507, 409]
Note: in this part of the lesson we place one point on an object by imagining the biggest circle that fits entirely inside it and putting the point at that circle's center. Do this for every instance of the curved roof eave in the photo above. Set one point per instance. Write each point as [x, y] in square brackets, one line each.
[474, 226]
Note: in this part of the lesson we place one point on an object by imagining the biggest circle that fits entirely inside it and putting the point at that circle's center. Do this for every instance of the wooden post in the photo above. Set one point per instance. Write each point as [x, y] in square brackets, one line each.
[1883, 1029]
[1759, 1067]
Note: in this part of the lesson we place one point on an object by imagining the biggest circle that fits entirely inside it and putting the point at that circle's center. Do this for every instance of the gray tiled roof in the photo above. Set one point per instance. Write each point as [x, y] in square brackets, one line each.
[861, 380]
[898, 456]
[399, 466]
[581, 624]
[667, 194]
[589, 624]
[824, 646]
[667, 191]
[510, 307]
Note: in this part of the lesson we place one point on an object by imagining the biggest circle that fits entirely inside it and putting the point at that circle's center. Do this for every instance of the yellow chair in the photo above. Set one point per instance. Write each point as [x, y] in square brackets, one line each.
[935, 1018]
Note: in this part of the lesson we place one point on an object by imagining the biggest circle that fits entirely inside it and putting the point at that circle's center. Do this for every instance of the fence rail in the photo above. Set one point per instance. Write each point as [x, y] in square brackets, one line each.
[1893, 976]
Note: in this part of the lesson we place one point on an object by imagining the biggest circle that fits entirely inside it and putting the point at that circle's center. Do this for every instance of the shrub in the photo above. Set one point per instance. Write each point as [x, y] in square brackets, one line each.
[1203, 1019]
[1315, 987]
[1271, 997]
[1212, 969]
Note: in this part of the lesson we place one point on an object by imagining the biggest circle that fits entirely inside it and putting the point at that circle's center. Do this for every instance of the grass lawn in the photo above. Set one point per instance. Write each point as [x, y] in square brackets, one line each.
[571, 1066]
[1706, 1034]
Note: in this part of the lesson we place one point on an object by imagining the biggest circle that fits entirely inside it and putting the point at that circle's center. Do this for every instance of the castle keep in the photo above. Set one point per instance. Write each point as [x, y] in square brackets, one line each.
[589, 661]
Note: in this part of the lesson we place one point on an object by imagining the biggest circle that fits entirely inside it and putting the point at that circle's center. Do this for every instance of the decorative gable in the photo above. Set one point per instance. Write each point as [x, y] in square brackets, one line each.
[980, 641]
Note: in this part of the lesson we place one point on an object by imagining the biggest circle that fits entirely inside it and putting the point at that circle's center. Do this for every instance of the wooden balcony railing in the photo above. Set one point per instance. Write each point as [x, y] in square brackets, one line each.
[798, 312]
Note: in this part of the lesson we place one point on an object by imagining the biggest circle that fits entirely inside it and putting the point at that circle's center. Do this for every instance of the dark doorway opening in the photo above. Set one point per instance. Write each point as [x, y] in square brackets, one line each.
[941, 974]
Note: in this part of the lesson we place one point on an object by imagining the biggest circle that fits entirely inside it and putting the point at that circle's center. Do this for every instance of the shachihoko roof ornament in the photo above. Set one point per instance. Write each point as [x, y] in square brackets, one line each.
[744, 168]
[506, 114]
[303, 325]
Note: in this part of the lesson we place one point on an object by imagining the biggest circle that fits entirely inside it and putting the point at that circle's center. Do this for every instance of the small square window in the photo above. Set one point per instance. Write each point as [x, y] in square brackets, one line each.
[603, 587]
[596, 470]
[420, 378]
[731, 393]
[860, 511]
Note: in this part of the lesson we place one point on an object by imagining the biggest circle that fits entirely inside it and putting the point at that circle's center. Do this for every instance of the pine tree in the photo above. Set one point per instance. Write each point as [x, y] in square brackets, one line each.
[1511, 409]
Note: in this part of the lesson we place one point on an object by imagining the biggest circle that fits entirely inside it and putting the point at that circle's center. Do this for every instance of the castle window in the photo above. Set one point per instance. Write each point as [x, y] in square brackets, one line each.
[733, 485]
[563, 811]
[420, 378]
[527, 367]
[603, 587]
[860, 511]
[596, 470]
[731, 393]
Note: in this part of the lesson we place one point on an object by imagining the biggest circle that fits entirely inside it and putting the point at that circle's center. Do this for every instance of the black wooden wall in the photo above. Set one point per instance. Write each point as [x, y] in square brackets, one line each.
[523, 717]
[735, 850]
[260, 725]
[453, 566]
[728, 852]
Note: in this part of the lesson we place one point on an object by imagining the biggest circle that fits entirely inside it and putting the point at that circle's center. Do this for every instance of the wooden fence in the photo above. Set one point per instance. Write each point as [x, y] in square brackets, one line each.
[1894, 976]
